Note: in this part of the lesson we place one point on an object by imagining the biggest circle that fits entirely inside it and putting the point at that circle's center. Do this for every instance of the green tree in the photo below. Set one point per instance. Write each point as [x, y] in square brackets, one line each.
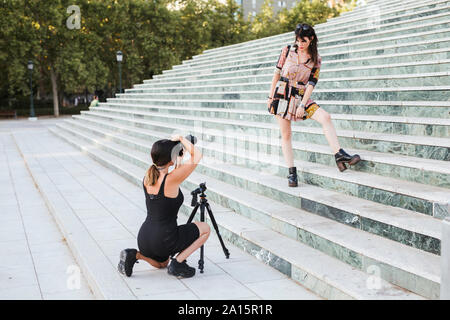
[16, 43]
[305, 11]
[225, 24]
[265, 23]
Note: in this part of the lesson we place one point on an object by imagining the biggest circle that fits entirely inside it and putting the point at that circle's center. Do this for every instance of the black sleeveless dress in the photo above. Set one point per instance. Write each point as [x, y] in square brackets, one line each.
[159, 236]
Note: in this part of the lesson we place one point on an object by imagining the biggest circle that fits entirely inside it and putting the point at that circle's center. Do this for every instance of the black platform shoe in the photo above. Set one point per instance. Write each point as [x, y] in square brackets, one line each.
[127, 261]
[292, 177]
[343, 157]
[180, 269]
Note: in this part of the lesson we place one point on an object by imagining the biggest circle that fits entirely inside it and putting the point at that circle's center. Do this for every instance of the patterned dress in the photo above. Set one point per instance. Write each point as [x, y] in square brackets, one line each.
[300, 76]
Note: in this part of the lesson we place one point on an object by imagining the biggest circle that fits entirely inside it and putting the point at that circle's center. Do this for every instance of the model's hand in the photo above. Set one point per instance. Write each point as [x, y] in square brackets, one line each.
[300, 112]
[269, 101]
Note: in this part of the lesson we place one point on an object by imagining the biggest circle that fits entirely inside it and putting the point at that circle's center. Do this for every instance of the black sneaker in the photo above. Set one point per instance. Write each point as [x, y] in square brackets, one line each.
[127, 261]
[180, 269]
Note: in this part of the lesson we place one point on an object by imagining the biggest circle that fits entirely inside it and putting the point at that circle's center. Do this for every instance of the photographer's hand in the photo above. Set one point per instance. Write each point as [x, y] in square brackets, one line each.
[176, 137]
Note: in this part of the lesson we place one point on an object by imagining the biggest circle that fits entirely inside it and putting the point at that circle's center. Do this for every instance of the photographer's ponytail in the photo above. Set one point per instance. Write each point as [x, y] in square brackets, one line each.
[151, 175]
[161, 155]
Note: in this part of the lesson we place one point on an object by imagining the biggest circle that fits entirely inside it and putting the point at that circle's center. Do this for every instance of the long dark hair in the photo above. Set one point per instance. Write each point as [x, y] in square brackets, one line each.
[305, 30]
[161, 154]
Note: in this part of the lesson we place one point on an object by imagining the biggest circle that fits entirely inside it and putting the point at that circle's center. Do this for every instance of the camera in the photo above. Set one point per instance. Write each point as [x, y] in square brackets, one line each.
[195, 192]
[178, 148]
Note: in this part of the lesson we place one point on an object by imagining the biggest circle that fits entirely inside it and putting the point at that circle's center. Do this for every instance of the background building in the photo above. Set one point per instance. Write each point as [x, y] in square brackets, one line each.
[254, 6]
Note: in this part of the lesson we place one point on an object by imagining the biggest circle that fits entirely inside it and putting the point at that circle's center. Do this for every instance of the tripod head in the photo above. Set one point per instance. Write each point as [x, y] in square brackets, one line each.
[195, 193]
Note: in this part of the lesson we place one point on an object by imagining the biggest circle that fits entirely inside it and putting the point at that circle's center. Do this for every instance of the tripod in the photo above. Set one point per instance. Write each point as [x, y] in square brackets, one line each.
[204, 203]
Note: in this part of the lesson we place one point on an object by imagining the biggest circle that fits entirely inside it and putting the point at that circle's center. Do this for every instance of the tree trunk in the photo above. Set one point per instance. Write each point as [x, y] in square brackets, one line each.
[55, 92]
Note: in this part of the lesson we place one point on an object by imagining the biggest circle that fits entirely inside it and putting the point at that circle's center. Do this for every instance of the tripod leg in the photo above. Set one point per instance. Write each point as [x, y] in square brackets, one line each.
[202, 219]
[191, 217]
[211, 216]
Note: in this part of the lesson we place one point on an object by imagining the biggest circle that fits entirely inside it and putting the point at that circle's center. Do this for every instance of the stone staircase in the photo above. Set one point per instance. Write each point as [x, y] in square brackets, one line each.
[371, 232]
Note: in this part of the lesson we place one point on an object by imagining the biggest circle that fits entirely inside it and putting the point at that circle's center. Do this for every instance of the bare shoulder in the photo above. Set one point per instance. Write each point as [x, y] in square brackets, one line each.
[171, 180]
[172, 184]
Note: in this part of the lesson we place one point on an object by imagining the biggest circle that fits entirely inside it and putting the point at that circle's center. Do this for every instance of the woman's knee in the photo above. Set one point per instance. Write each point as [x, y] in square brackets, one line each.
[204, 228]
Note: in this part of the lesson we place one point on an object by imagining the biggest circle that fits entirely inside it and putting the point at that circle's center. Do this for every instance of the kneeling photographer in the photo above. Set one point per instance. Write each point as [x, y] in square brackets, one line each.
[160, 237]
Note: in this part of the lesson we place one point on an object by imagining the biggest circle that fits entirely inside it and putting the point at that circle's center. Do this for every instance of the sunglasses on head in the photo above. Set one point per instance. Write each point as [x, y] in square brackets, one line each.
[301, 26]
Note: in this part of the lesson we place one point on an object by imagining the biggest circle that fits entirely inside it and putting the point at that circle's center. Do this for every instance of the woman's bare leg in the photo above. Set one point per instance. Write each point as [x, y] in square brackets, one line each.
[329, 131]
[152, 262]
[286, 142]
[205, 230]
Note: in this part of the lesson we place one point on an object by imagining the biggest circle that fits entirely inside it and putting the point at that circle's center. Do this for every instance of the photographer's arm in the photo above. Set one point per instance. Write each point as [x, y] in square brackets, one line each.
[183, 170]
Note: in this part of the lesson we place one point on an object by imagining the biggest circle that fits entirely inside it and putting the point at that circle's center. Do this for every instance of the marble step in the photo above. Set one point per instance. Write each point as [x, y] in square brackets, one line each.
[375, 6]
[330, 28]
[426, 79]
[432, 172]
[331, 284]
[434, 109]
[363, 9]
[432, 127]
[401, 52]
[427, 31]
[264, 82]
[429, 278]
[321, 28]
[273, 49]
[438, 50]
[328, 62]
[384, 190]
[270, 58]
[416, 93]
[376, 72]
[389, 50]
[344, 70]
[375, 12]
[439, 210]
[271, 54]
[422, 147]
[374, 50]
[389, 226]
